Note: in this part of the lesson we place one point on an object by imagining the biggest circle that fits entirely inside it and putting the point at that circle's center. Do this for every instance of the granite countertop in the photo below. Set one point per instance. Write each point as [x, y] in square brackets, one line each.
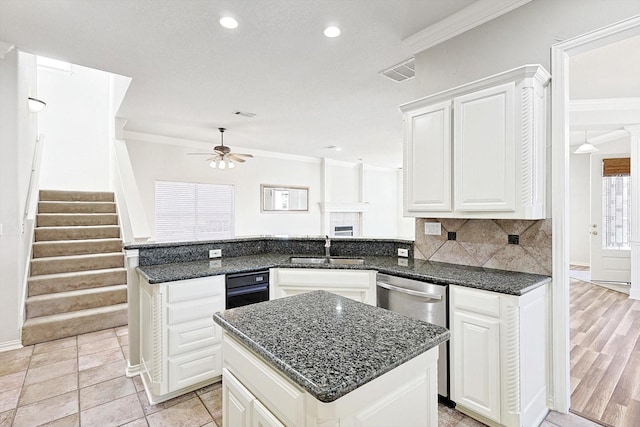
[502, 281]
[327, 344]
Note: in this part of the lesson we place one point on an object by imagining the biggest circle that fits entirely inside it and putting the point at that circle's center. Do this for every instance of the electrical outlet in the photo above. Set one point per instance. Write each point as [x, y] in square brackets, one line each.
[403, 252]
[432, 228]
[215, 253]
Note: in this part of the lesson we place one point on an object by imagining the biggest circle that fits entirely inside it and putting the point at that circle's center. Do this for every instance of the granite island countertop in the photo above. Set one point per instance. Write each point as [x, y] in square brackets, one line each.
[327, 344]
[502, 281]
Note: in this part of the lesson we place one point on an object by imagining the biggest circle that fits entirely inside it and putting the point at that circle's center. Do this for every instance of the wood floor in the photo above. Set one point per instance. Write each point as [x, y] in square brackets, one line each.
[605, 355]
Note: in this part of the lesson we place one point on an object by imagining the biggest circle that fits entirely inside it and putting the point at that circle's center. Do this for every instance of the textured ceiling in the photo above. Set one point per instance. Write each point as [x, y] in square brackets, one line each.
[190, 74]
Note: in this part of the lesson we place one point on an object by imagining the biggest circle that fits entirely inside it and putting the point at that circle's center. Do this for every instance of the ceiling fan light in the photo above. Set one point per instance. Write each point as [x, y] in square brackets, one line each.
[231, 165]
[222, 164]
[212, 164]
[586, 148]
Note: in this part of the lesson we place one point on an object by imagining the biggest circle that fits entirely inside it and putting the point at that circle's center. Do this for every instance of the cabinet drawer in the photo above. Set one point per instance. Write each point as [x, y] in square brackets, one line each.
[192, 336]
[475, 301]
[303, 278]
[194, 289]
[194, 310]
[284, 399]
[195, 367]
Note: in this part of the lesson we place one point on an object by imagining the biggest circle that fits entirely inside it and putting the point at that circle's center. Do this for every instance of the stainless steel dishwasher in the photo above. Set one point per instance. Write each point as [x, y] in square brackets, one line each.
[422, 301]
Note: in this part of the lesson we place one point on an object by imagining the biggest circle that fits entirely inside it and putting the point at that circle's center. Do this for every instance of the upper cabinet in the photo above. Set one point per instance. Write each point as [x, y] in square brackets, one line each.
[478, 150]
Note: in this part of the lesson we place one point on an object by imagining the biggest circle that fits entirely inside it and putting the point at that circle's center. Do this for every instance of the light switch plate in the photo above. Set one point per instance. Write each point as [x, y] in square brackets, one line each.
[403, 252]
[432, 228]
[215, 253]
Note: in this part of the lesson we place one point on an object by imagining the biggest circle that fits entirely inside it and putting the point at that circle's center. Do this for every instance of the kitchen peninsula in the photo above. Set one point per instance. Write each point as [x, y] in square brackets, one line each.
[321, 359]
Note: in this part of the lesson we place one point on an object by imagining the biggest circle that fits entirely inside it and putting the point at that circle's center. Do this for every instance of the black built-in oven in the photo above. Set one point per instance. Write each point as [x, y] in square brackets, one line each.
[247, 288]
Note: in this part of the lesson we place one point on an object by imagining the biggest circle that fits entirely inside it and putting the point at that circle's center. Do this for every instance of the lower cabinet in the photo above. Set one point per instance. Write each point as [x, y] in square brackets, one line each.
[181, 345]
[498, 356]
[254, 394]
[359, 285]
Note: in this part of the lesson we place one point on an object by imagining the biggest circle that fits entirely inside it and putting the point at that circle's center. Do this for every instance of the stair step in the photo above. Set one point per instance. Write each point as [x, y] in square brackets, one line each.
[62, 220]
[63, 302]
[63, 282]
[48, 328]
[77, 232]
[75, 247]
[76, 207]
[66, 264]
[76, 196]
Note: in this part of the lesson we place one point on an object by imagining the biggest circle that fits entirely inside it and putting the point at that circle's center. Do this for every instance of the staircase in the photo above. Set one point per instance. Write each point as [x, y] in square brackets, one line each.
[78, 280]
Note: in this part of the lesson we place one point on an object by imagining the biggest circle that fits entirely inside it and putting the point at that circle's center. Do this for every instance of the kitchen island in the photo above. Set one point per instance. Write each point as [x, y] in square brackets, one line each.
[318, 359]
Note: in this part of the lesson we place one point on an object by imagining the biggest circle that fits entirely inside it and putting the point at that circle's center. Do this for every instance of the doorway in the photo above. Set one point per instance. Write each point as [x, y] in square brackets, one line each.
[560, 383]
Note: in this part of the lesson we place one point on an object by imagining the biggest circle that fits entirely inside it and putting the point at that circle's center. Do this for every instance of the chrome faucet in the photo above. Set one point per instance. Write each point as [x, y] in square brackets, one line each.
[327, 246]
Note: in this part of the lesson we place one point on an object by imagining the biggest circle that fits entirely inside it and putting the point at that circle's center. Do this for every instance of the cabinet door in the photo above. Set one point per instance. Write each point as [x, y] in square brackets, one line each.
[484, 150]
[476, 363]
[236, 402]
[427, 159]
[262, 417]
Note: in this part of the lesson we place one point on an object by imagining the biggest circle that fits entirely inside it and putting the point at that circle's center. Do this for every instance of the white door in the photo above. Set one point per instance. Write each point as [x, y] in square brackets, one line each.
[236, 402]
[610, 221]
[262, 417]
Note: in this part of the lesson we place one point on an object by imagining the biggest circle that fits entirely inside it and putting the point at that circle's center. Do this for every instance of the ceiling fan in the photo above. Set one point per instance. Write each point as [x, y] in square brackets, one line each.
[222, 157]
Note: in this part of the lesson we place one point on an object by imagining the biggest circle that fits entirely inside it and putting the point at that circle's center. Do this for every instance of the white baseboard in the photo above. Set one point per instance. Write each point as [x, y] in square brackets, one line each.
[10, 345]
[133, 370]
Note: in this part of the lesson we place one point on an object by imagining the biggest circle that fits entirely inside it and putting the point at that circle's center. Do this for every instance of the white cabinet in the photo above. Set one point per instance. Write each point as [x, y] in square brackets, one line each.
[181, 346]
[478, 150]
[241, 408]
[429, 130]
[254, 394]
[358, 285]
[498, 351]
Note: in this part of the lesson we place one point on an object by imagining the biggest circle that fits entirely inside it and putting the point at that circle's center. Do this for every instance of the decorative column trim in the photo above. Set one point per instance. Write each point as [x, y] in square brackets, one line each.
[133, 310]
[634, 240]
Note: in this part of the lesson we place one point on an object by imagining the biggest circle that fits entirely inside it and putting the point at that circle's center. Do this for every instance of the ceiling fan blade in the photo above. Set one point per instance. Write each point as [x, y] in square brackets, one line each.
[243, 155]
[236, 158]
[222, 153]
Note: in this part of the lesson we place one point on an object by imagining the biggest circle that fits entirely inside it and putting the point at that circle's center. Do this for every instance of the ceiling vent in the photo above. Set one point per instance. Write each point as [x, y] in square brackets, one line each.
[400, 72]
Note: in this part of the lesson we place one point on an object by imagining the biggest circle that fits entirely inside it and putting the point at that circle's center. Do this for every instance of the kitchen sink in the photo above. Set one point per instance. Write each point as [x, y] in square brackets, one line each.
[327, 260]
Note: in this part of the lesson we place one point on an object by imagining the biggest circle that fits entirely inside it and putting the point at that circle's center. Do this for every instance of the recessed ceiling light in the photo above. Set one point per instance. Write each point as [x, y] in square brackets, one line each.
[332, 32]
[228, 22]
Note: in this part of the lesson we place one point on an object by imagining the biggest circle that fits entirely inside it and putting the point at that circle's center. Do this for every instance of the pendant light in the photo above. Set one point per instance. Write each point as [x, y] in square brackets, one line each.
[587, 147]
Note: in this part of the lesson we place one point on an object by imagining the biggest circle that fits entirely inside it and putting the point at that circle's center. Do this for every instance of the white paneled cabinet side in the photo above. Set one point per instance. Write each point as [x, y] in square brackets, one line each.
[478, 150]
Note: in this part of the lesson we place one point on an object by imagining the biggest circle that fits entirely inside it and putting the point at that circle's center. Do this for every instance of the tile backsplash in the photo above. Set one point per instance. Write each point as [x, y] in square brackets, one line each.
[488, 243]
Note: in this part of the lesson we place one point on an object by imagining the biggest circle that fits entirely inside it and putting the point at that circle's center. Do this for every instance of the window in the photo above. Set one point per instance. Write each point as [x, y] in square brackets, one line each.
[187, 211]
[616, 203]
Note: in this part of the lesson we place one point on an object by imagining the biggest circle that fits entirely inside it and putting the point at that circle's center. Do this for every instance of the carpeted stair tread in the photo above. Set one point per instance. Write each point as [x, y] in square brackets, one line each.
[75, 219]
[48, 328]
[69, 263]
[62, 282]
[76, 207]
[77, 232]
[75, 196]
[82, 299]
[52, 248]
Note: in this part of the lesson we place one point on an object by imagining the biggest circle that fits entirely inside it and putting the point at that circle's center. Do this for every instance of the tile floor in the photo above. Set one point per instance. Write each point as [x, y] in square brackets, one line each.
[80, 381]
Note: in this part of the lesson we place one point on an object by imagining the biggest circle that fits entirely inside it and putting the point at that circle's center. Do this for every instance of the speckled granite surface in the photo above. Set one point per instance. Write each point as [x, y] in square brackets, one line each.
[328, 344]
[163, 253]
[502, 281]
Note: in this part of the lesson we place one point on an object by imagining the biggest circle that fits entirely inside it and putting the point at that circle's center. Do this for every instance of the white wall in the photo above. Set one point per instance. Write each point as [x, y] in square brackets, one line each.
[76, 127]
[153, 161]
[18, 132]
[523, 36]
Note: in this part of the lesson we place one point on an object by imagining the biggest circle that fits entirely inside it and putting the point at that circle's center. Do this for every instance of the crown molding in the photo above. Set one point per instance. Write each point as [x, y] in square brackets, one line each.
[464, 20]
[5, 47]
[202, 145]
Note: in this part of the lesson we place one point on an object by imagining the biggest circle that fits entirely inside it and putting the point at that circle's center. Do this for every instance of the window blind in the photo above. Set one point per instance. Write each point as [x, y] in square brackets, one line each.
[616, 167]
[193, 211]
